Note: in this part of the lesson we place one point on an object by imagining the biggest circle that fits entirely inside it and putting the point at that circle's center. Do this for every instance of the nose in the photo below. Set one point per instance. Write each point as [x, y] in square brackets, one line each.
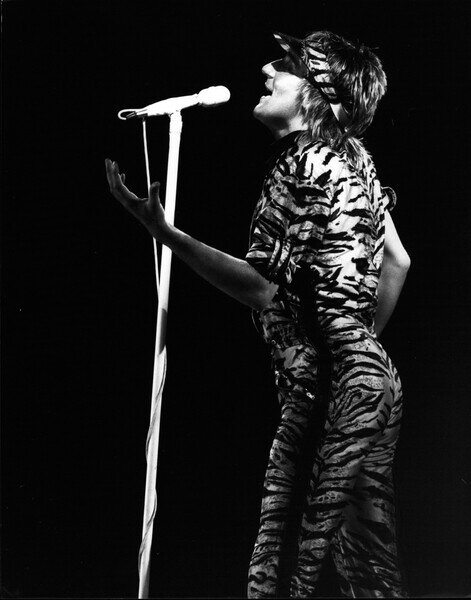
[269, 70]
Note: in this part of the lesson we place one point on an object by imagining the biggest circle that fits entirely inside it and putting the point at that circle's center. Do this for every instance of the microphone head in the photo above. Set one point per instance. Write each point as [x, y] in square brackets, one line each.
[214, 95]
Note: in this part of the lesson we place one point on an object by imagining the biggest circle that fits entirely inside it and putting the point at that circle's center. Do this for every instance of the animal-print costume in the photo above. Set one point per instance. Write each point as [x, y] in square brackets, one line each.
[318, 232]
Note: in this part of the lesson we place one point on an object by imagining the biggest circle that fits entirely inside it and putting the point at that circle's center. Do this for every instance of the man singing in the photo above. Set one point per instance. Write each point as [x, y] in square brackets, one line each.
[323, 273]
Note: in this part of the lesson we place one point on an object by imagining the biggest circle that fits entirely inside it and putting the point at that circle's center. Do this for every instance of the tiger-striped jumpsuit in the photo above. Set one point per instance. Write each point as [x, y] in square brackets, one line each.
[318, 232]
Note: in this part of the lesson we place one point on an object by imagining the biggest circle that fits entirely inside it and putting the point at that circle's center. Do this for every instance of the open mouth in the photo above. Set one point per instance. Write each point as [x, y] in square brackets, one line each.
[269, 93]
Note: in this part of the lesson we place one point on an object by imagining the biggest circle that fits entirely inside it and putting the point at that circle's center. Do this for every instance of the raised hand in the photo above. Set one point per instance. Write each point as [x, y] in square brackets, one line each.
[148, 211]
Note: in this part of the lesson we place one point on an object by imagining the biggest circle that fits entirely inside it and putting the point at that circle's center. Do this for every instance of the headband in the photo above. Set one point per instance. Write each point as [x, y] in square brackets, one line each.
[318, 71]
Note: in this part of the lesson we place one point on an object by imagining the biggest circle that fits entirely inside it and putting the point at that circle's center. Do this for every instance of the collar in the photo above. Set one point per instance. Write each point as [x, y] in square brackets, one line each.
[279, 146]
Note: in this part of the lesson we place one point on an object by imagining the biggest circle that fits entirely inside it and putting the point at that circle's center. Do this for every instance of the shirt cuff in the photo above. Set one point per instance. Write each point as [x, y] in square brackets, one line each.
[272, 263]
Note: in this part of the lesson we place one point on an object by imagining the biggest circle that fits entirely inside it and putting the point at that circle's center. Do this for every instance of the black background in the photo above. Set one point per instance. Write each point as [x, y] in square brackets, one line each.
[79, 295]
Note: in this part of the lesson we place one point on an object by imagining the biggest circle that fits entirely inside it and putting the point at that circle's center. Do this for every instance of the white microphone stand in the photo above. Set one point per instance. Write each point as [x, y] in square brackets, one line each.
[150, 500]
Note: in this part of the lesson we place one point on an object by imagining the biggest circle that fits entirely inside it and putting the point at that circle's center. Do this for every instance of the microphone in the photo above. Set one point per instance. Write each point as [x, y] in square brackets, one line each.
[211, 96]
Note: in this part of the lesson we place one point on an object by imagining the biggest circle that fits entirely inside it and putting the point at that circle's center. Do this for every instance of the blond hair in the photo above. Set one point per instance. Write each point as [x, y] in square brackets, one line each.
[360, 83]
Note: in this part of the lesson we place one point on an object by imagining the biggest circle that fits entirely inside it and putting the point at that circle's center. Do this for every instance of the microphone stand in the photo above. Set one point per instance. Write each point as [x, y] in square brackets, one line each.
[150, 500]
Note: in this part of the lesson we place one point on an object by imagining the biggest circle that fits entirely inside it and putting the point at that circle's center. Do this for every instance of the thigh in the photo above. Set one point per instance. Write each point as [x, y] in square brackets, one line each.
[297, 370]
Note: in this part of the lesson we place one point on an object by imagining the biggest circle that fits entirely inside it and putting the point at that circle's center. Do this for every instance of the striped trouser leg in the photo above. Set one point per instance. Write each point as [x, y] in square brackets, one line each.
[364, 547]
[350, 505]
[296, 371]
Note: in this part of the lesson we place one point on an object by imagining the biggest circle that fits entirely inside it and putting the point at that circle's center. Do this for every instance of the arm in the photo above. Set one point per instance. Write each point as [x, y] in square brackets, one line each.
[396, 263]
[234, 276]
[231, 275]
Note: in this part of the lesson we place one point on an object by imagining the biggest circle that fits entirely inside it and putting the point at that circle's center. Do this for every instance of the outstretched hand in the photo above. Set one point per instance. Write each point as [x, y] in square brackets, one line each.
[148, 211]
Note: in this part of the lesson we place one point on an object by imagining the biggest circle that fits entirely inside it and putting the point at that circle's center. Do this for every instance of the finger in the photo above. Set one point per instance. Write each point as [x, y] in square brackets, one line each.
[117, 187]
[154, 190]
[112, 175]
[115, 180]
[108, 167]
[119, 183]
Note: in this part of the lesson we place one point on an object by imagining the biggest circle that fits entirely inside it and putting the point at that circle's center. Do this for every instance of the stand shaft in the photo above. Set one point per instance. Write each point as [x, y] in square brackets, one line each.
[150, 501]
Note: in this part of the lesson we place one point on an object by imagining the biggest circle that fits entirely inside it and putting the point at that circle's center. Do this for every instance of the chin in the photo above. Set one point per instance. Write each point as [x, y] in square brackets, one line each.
[258, 113]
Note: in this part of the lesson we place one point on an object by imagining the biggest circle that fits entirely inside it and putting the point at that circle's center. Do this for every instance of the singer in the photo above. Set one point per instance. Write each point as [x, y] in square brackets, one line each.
[323, 273]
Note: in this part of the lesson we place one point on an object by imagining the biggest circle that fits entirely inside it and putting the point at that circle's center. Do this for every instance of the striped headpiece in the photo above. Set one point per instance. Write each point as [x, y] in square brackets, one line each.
[317, 71]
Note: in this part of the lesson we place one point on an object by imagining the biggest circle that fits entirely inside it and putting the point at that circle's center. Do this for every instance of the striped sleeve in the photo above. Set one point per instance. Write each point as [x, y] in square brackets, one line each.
[289, 230]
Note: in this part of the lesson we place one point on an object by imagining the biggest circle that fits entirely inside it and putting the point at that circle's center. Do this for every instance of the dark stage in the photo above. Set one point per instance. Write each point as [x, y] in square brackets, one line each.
[78, 291]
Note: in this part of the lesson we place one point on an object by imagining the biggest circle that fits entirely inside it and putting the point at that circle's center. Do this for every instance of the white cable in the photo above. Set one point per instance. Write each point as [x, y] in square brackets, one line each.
[146, 156]
[126, 110]
[155, 413]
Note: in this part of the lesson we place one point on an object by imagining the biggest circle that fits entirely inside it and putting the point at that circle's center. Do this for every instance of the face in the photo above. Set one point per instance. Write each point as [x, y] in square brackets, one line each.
[278, 110]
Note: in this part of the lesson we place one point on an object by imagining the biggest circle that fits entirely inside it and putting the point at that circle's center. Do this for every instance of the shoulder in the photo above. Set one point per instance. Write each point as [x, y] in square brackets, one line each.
[306, 172]
[316, 161]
